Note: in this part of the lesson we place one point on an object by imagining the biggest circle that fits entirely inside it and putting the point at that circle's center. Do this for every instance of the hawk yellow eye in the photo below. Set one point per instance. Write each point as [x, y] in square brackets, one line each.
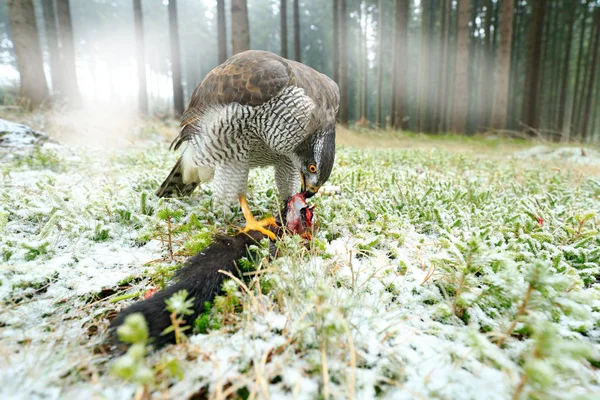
[312, 168]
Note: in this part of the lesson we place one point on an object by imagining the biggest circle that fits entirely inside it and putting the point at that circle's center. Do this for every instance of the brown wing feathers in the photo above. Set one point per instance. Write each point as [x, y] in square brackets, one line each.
[250, 78]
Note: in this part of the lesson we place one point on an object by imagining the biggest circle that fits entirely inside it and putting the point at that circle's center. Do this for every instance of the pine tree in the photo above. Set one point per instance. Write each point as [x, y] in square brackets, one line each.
[283, 18]
[592, 71]
[424, 66]
[530, 108]
[65, 33]
[486, 68]
[28, 51]
[240, 29]
[554, 68]
[343, 39]
[297, 53]
[221, 31]
[336, 41]
[399, 110]
[178, 106]
[514, 88]
[461, 68]
[502, 75]
[380, 50]
[562, 102]
[140, 56]
[438, 123]
[580, 66]
[56, 70]
[365, 65]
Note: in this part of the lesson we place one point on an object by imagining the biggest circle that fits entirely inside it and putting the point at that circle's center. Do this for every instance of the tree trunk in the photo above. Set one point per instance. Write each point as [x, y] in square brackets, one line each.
[65, 33]
[28, 51]
[495, 35]
[444, 80]
[594, 48]
[379, 107]
[56, 69]
[562, 102]
[400, 55]
[336, 41]
[175, 59]
[461, 69]
[436, 74]
[344, 64]
[433, 60]
[240, 30]
[580, 53]
[546, 37]
[221, 31]
[441, 67]
[530, 112]
[502, 76]
[486, 69]
[283, 23]
[514, 84]
[359, 63]
[423, 76]
[595, 122]
[297, 55]
[365, 60]
[140, 56]
[556, 58]
[578, 122]
[475, 63]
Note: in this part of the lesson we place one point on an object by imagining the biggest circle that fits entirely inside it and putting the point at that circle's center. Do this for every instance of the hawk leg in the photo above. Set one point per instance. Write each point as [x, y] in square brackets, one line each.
[254, 225]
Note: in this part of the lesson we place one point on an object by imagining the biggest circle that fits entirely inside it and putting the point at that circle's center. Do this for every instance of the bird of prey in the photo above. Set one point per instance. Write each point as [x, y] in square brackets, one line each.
[256, 109]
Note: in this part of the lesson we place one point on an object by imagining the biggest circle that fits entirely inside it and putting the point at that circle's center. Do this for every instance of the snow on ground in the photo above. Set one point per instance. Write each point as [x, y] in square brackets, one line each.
[18, 137]
[431, 275]
[573, 155]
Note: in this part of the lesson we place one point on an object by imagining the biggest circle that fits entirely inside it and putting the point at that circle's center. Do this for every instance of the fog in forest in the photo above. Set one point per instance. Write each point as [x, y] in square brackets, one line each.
[410, 65]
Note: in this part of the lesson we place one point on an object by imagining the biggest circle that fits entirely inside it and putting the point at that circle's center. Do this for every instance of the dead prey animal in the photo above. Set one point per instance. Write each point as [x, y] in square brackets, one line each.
[202, 275]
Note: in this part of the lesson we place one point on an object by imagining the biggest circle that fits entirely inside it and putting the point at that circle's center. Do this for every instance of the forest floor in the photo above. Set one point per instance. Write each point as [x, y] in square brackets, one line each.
[441, 267]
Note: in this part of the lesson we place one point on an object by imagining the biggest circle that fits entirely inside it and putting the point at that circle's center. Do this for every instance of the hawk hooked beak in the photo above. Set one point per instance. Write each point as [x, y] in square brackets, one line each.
[307, 189]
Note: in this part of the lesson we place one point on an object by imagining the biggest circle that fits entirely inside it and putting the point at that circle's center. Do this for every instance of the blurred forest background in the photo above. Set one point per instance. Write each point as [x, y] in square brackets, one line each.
[523, 67]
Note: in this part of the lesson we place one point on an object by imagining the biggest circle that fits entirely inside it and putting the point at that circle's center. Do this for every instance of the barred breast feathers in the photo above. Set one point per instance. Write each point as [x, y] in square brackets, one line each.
[213, 120]
[281, 123]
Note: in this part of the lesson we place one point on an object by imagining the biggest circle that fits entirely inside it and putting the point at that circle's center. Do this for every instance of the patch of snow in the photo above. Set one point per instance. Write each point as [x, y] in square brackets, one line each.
[575, 155]
[13, 135]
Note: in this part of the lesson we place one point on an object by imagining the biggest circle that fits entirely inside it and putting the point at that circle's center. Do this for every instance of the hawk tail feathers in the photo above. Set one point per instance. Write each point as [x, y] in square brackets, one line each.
[175, 185]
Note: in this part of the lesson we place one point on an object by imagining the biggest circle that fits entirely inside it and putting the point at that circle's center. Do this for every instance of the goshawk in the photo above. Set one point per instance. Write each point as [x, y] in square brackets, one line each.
[256, 109]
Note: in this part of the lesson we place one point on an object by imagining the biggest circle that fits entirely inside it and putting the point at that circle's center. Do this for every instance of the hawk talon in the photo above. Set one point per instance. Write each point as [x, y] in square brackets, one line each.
[261, 226]
[254, 225]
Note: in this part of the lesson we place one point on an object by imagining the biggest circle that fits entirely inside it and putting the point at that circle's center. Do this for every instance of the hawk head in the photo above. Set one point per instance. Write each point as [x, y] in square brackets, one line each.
[315, 156]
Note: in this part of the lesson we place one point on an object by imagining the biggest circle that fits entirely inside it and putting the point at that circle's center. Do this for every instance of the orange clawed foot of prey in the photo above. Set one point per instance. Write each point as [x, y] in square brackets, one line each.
[254, 225]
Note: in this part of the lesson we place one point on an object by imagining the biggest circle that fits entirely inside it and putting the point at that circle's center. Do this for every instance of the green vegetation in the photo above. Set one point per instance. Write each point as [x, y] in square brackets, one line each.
[179, 306]
[431, 272]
